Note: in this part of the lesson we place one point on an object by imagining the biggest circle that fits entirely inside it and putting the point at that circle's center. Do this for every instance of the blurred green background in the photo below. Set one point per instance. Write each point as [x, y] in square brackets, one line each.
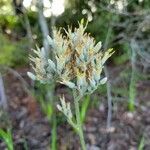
[114, 22]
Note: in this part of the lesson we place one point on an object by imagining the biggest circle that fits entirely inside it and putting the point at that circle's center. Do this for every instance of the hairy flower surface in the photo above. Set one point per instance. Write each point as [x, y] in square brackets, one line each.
[78, 60]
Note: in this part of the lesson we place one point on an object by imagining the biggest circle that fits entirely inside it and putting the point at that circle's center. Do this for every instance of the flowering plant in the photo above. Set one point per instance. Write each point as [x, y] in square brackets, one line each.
[78, 63]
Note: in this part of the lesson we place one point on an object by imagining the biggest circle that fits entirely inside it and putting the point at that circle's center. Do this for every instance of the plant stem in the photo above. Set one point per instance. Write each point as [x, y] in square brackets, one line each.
[79, 125]
[3, 100]
[54, 134]
[108, 84]
[132, 86]
[109, 101]
[53, 120]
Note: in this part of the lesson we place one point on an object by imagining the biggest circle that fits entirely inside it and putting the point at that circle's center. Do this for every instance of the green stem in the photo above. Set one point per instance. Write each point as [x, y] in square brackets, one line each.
[79, 124]
[132, 87]
[54, 133]
[52, 117]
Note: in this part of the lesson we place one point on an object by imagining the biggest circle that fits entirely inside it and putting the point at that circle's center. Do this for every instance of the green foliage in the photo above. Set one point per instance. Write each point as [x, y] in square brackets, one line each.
[99, 26]
[5, 7]
[25, 145]
[123, 54]
[141, 144]
[133, 80]
[84, 108]
[13, 53]
[119, 91]
[132, 92]
[8, 21]
[7, 137]
[54, 133]
[48, 108]
[102, 89]
[12, 24]
[46, 104]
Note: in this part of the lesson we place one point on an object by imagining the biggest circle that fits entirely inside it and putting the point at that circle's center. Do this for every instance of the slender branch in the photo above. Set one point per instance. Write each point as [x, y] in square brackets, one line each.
[16, 74]
[3, 100]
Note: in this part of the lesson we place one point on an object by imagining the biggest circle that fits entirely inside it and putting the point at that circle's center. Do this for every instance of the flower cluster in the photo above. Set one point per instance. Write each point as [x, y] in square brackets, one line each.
[40, 66]
[78, 60]
[65, 108]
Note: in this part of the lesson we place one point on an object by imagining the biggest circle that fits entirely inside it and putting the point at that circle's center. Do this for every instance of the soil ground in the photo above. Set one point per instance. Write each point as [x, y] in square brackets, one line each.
[30, 126]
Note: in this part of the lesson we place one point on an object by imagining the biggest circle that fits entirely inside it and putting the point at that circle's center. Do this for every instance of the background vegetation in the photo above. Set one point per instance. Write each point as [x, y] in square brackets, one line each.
[121, 24]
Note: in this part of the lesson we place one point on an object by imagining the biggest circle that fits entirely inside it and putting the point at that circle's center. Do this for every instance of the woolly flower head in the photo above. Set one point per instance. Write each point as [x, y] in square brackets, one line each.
[78, 60]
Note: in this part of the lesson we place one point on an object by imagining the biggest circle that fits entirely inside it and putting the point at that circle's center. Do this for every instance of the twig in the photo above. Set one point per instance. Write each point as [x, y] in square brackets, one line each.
[3, 100]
